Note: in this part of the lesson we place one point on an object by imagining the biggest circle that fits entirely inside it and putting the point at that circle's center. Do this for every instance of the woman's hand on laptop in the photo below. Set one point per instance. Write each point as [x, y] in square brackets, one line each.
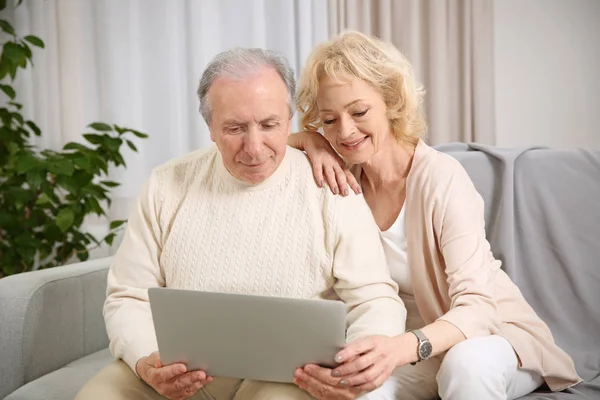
[368, 362]
[172, 381]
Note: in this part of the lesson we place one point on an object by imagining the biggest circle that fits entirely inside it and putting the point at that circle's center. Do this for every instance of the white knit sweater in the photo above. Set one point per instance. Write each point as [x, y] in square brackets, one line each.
[195, 226]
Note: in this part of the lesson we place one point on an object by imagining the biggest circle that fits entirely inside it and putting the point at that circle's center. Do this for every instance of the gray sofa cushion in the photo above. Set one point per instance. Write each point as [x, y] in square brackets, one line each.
[50, 318]
[65, 382]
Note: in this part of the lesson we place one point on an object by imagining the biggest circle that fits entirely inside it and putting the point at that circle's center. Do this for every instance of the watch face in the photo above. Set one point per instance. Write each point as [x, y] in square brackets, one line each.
[425, 350]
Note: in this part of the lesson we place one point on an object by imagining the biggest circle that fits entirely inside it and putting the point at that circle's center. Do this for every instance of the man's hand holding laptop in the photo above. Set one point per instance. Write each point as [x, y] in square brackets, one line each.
[173, 381]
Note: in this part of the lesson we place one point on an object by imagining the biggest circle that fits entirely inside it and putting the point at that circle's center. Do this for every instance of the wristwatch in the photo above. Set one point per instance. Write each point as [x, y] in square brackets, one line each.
[424, 348]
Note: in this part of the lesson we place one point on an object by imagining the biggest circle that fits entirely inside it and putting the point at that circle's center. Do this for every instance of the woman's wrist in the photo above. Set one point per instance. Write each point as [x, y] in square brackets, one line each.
[406, 344]
[296, 140]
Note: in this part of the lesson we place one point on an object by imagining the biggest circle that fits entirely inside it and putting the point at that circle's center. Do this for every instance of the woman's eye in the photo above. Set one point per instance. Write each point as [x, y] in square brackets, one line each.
[328, 121]
[361, 113]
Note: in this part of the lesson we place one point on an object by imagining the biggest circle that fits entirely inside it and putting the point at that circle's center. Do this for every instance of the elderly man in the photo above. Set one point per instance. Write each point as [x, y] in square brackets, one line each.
[246, 217]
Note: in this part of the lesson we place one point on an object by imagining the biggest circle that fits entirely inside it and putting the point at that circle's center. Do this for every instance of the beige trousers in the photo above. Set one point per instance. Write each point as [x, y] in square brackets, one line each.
[118, 382]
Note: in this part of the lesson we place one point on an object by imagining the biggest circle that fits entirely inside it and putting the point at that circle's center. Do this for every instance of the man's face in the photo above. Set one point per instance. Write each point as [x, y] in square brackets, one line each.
[250, 123]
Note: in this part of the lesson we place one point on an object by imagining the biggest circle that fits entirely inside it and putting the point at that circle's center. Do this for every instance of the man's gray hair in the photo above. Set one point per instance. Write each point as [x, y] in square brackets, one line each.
[239, 63]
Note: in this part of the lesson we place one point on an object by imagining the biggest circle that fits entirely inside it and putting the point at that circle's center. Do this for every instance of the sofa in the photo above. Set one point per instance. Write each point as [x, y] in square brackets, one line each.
[542, 218]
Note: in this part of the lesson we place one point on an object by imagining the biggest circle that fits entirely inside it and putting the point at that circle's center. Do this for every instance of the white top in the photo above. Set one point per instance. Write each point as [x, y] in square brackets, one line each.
[196, 227]
[394, 244]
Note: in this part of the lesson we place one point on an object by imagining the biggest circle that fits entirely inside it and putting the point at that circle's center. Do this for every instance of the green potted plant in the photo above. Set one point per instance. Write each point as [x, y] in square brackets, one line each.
[46, 195]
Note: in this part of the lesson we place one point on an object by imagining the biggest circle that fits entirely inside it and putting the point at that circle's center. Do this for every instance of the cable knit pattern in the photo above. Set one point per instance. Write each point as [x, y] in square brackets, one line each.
[197, 227]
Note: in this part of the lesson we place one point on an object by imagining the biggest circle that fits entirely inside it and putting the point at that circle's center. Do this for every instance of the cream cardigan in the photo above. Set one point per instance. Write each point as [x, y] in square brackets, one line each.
[454, 274]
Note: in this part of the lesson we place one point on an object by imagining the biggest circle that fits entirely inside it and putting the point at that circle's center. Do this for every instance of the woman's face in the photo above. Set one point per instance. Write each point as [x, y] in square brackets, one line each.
[354, 118]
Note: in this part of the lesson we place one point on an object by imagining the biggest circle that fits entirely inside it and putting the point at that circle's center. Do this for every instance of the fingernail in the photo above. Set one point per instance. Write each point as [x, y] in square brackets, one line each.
[359, 190]
[339, 359]
[335, 190]
[335, 374]
[346, 192]
[322, 183]
[343, 382]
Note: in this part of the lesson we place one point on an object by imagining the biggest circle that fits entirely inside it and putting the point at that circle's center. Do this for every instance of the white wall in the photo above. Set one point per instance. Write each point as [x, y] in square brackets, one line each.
[547, 72]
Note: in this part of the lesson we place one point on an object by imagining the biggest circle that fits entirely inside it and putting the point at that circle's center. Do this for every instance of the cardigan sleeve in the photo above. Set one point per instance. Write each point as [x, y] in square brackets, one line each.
[469, 264]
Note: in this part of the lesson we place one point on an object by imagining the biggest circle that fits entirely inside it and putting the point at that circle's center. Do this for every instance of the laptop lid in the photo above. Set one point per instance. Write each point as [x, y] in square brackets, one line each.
[246, 336]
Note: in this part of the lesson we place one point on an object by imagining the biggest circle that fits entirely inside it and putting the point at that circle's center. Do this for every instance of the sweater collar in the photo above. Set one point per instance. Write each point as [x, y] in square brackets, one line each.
[233, 182]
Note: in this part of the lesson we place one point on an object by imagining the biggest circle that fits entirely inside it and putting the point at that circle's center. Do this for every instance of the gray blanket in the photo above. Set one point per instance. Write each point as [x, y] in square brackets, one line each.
[543, 222]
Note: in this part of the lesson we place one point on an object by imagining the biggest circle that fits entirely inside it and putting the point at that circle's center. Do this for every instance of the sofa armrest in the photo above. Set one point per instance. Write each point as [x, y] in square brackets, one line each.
[49, 318]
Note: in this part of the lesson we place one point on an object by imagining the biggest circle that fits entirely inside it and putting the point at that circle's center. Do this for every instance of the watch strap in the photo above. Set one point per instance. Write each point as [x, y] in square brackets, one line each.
[421, 338]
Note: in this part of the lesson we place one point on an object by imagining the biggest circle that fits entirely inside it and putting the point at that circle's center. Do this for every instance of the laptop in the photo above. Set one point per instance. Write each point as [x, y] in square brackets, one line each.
[246, 336]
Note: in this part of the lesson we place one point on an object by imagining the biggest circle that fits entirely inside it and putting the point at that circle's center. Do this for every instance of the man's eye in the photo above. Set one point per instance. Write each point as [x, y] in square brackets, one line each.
[269, 126]
[234, 129]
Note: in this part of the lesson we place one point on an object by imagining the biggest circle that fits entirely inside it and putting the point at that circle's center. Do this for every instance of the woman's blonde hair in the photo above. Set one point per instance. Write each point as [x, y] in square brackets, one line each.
[353, 54]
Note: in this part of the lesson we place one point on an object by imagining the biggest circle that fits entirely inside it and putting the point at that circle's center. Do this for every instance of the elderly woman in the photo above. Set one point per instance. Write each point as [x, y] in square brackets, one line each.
[471, 334]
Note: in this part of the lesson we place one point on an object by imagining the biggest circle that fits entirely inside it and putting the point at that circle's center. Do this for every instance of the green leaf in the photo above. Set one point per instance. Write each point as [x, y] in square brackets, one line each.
[68, 183]
[94, 138]
[34, 40]
[110, 183]
[81, 161]
[61, 167]
[116, 224]
[82, 178]
[3, 70]
[131, 145]
[113, 143]
[13, 52]
[52, 232]
[34, 128]
[83, 255]
[100, 163]
[18, 117]
[12, 71]
[139, 134]
[95, 206]
[65, 219]
[110, 238]
[8, 90]
[100, 126]
[119, 160]
[16, 105]
[43, 199]
[91, 237]
[75, 146]
[26, 162]
[6, 27]
[97, 191]
[27, 50]
[35, 177]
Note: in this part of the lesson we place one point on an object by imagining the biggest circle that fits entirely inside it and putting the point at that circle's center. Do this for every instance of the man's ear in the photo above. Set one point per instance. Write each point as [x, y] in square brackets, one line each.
[212, 135]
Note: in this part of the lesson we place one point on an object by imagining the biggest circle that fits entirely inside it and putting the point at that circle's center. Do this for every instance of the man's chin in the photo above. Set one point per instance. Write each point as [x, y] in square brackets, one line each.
[259, 176]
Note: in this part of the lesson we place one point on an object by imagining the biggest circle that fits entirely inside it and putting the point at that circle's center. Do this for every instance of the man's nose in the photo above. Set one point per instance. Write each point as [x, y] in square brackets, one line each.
[253, 142]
